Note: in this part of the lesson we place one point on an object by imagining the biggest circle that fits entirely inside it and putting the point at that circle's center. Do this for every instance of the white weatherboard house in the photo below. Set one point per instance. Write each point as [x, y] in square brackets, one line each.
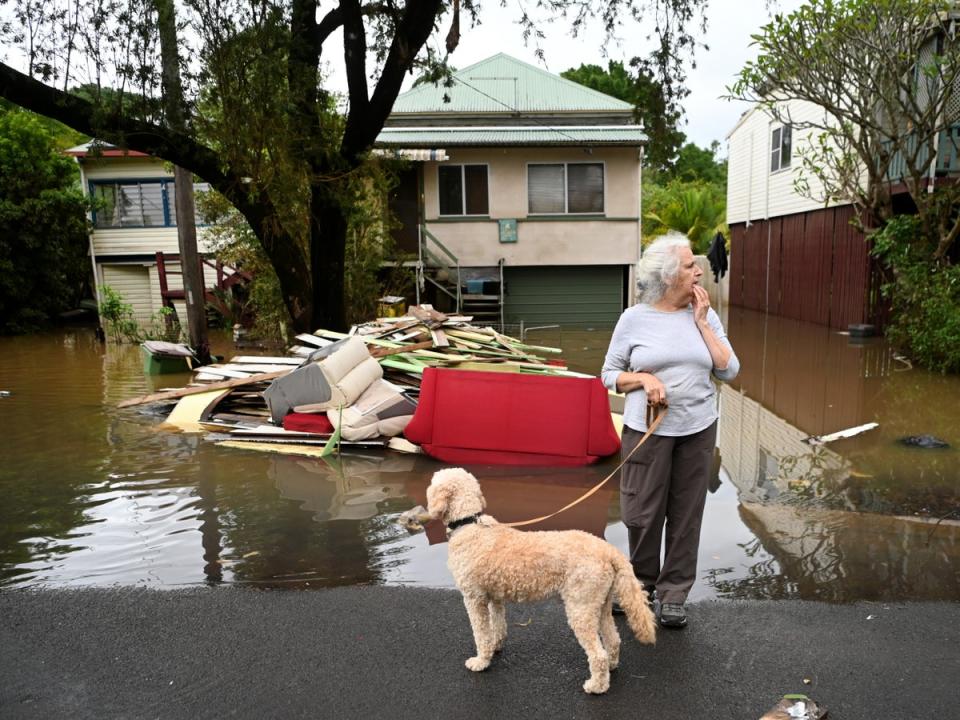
[134, 221]
[791, 255]
[532, 179]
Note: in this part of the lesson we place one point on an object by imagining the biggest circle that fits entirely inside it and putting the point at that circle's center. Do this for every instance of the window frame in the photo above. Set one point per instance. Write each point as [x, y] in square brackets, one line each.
[166, 194]
[566, 189]
[463, 189]
[778, 150]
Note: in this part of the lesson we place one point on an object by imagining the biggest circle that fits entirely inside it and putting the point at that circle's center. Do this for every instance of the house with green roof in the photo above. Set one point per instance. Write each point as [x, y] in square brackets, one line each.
[524, 202]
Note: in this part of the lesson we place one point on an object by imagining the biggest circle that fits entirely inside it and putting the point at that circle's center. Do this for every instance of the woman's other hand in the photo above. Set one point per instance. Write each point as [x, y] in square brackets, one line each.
[656, 392]
[701, 304]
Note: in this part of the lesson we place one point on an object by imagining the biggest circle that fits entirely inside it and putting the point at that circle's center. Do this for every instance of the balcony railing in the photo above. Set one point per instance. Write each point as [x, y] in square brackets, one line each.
[947, 160]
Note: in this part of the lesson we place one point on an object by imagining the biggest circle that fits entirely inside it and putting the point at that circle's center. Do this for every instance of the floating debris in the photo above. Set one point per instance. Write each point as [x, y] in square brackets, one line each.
[333, 390]
[840, 434]
[927, 442]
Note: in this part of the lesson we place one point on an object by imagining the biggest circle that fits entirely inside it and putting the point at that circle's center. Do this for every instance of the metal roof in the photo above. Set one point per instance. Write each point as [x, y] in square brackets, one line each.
[535, 135]
[503, 84]
[101, 149]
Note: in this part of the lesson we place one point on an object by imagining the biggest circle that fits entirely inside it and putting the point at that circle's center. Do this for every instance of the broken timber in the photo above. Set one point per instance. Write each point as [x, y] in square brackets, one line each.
[183, 392]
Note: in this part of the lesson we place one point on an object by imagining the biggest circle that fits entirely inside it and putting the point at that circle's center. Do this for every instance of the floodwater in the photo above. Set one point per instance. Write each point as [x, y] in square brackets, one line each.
[93, 495]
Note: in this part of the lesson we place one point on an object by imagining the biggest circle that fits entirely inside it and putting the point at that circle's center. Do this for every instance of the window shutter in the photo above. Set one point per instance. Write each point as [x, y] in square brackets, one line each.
[545, 188]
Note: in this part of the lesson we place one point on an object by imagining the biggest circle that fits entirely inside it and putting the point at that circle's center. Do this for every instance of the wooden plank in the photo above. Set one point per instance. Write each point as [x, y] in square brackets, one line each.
[316, 341]
[379, 352]
[182, 392]
[269, 359]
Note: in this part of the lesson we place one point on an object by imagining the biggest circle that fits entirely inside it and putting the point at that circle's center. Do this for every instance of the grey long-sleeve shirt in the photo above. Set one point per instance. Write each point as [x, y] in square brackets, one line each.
[669, 346]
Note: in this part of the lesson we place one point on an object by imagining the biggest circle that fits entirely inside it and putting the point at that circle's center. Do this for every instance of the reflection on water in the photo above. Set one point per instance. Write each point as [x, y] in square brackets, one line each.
[91, 495]
[839, 521]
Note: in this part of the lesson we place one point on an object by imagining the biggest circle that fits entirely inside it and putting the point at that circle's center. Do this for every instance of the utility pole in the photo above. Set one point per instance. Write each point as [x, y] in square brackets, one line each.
[193, 285]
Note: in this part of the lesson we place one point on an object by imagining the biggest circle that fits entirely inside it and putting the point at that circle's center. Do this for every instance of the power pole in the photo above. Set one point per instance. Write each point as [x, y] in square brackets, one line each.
[193, 285]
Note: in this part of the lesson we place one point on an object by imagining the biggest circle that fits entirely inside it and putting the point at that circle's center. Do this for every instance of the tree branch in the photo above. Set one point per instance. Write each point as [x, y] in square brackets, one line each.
[331, 21]
[355, 58]
[412, 32]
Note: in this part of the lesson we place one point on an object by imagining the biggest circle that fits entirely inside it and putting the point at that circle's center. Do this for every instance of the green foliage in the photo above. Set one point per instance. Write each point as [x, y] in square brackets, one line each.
[924, 295]
[43, 228]
[654, 106]
[234, 243]
[369, 273]
[695, 163]
[120, 324]
[696, 209]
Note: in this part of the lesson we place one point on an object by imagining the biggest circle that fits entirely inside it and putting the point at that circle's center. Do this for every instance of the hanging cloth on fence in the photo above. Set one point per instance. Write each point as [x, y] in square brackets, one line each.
[717, 255]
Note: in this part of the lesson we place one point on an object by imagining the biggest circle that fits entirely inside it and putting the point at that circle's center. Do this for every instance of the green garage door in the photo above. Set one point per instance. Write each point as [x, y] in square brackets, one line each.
[590, 295]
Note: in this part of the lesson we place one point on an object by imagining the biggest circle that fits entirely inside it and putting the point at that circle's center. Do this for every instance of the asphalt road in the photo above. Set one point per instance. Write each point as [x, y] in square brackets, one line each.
[392, 652]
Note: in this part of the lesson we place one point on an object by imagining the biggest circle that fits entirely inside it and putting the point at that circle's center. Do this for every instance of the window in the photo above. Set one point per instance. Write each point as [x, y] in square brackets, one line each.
[780, 148]
[565, 188]
[136, 203]
[463, 190]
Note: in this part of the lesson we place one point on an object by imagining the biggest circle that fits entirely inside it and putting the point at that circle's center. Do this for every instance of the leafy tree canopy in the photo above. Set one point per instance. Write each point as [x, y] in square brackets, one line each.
[883, 78]
[43, 231]
[656, 104]
[240, 55]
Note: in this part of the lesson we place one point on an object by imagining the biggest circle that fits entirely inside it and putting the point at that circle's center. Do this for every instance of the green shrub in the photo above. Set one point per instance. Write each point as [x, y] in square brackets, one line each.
[120, 324]
[924, 295]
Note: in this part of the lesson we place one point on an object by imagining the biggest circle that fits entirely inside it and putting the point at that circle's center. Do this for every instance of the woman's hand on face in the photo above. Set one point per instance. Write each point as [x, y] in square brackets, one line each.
[701, 304]
[656, 392]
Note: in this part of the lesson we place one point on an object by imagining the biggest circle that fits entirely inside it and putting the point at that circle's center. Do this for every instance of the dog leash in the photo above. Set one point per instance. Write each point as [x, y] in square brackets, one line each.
[655, 414]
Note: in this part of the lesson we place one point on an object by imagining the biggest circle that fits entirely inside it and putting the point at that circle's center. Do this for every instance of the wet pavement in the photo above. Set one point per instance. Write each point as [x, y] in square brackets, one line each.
[381, 652]
[92, 496]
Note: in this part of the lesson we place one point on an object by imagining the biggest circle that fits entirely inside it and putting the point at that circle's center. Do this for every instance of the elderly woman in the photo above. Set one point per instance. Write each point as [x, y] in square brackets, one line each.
[663, 351]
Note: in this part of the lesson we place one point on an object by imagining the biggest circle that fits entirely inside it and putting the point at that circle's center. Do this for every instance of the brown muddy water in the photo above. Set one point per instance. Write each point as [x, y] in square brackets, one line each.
[93, 495]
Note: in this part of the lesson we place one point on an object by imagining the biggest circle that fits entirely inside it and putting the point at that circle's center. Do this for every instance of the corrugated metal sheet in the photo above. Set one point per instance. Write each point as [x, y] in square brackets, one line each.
[540, 136]
[504, 84]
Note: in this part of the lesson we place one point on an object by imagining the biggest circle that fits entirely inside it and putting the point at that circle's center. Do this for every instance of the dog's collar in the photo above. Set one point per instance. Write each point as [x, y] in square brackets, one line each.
[469, 520]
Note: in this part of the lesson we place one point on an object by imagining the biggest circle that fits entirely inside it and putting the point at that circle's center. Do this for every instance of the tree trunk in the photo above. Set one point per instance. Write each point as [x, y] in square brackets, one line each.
[193, 285]
[328, 241]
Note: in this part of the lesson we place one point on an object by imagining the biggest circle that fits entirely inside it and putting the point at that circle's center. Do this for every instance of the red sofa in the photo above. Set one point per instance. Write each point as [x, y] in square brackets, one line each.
[466, 416]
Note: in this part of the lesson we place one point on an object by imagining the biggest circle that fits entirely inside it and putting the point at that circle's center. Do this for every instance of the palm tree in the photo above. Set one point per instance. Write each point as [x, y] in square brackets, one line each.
[696, 210]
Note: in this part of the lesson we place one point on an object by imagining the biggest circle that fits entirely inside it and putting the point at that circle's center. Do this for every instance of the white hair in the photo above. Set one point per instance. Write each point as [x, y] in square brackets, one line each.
[659, 266]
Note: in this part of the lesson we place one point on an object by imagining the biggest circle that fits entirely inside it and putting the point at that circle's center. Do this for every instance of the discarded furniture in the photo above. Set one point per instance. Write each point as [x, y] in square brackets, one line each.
[466, 416]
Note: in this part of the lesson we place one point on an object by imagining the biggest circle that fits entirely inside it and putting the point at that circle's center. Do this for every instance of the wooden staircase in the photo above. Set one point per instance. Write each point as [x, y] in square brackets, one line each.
[168, 264]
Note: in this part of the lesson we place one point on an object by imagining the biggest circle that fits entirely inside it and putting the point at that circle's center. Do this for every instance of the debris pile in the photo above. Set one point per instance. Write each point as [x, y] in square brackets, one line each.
[356, 388]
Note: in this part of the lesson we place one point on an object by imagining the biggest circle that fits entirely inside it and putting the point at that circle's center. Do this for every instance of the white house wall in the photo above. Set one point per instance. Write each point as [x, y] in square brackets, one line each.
[755, 193]
[132, 282]
[133, 240]
[564, 240]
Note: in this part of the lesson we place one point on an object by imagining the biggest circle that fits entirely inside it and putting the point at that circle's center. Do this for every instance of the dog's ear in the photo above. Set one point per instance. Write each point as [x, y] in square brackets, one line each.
[438, 499]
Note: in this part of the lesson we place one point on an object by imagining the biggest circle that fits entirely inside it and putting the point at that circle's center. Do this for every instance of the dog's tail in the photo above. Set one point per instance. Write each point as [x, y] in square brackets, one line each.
[633, 599]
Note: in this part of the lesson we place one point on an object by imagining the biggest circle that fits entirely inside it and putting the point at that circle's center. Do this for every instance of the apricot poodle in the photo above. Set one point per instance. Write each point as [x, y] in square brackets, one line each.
[493, 564]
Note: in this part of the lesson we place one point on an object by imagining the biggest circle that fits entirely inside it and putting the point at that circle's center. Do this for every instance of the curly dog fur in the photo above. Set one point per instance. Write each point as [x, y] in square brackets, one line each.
[492, 564]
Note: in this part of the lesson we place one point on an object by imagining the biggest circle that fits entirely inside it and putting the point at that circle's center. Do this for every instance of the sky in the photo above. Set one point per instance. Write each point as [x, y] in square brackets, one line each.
[708, 117]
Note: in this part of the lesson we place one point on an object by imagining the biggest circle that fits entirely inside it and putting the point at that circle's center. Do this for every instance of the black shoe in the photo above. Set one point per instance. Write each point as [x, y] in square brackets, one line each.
[673, 615]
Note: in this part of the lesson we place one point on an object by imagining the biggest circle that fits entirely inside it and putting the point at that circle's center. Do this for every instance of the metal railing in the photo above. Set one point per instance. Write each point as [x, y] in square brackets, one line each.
[434, 254]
